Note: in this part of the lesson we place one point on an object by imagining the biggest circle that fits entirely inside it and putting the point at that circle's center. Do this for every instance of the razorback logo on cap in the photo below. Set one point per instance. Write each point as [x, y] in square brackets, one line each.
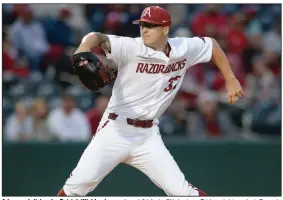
[146, 12]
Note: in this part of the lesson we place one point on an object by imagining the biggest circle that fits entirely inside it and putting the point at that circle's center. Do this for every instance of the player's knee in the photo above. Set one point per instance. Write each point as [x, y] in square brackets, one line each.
[80, 186]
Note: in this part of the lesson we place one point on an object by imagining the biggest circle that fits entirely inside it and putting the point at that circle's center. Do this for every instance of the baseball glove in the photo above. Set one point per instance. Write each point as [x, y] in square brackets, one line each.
[93, 75]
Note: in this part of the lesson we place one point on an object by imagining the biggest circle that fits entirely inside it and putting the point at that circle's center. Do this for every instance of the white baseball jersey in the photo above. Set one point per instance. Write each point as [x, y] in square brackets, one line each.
[148, 80]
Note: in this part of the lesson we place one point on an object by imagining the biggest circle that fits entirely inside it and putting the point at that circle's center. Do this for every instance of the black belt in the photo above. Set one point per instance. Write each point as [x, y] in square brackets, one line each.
[134, 122]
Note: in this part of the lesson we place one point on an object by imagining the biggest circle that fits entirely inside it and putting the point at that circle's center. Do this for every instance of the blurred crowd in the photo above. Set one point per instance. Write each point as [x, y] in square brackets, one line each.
[43, 100]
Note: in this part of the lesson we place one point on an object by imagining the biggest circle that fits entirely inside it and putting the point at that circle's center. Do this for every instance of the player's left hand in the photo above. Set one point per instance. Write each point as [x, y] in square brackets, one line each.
[234, 90]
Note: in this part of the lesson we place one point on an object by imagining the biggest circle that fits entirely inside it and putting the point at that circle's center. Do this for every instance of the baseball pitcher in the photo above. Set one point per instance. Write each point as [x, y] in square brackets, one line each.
[149, 73]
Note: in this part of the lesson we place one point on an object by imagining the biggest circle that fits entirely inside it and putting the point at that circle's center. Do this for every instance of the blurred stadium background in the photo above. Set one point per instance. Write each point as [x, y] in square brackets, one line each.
[38, 89]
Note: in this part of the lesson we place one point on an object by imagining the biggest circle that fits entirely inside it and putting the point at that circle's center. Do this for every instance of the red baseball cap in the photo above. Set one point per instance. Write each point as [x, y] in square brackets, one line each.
[155, 15]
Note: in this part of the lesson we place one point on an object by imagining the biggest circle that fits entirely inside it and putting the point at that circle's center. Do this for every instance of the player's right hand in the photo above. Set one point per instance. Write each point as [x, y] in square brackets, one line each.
[234, 90]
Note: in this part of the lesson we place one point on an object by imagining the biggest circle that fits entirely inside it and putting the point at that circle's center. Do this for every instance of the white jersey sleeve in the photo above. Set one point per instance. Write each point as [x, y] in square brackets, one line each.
[122, 49]
[199, 50]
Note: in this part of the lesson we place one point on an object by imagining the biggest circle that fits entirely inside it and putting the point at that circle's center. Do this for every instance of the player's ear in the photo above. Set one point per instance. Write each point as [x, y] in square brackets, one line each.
[166, 30]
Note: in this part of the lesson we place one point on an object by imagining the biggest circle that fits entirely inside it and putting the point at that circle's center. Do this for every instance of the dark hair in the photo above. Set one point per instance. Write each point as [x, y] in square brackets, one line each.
[68, 97]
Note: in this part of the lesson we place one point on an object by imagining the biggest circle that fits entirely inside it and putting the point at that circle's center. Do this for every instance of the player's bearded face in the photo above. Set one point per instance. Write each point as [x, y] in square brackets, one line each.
[152, 33]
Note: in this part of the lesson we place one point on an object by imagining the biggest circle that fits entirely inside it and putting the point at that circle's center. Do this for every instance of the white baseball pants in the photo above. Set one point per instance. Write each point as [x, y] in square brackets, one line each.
[117, 142]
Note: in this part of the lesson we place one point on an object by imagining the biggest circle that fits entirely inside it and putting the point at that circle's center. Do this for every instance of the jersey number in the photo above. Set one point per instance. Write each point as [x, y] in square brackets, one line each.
[170, 86]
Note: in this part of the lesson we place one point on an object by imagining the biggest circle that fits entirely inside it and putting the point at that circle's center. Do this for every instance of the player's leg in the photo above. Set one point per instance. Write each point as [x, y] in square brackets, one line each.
[153, 159]
[106, 150]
